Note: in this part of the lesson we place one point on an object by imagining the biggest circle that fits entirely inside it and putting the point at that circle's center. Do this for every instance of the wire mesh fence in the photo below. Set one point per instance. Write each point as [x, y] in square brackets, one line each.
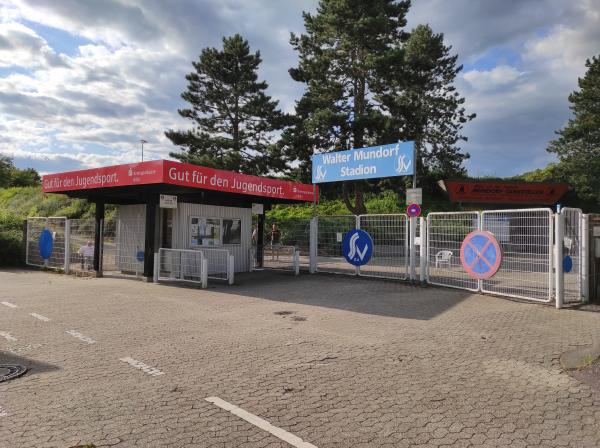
[180, 265]
[525, 239]
[294, 237]
[445, 234]
[57, 228]
[126, 246]
[81, 245]
[279, 257]
[330, 233]
[390, 245]
[572, 256]
[218, 259]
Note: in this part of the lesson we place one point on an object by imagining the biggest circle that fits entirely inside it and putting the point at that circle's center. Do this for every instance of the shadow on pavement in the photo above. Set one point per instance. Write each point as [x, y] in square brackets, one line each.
[33, 366]
[357, 294]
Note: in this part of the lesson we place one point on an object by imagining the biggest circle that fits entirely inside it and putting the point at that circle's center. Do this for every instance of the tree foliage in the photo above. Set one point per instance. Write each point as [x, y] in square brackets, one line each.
[11, 176]
[578, 143]
[368, 81]
[233, 118]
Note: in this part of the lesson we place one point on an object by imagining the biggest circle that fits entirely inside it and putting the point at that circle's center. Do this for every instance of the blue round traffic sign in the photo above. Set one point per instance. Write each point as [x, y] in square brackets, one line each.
[567, 264]
[480, 254]
[413, 210]
[139, 255]
[46, 244]
[357, 247]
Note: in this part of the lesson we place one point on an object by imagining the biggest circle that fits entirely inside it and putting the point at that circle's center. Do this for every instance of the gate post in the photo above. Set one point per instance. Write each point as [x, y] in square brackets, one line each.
[230, 268]
[423, 249]
[314, 223]
[559, 229]
[67, 245]
[412, 249]
[98, 238]
[585, 279]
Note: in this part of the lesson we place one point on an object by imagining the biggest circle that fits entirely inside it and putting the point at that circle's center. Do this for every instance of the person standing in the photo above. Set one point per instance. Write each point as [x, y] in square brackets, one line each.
[275, 241]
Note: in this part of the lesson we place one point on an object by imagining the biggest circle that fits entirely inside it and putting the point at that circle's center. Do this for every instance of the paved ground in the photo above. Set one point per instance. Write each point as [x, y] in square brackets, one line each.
[356, 363]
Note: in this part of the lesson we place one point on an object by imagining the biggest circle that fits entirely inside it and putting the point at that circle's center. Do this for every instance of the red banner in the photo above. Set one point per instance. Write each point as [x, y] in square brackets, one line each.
[505, 192]
[175, 173]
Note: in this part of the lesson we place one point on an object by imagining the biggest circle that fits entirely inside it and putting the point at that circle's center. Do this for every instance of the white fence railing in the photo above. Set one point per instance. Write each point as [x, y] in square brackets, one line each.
[544, 255]
[181, 265]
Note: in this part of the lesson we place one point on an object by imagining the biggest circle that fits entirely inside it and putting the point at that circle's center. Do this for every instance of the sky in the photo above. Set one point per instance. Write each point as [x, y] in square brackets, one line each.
[81, 82]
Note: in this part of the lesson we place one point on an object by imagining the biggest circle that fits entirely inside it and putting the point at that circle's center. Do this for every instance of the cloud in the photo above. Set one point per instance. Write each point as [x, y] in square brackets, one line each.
[22, 47]
[491, 79]
[522, 59]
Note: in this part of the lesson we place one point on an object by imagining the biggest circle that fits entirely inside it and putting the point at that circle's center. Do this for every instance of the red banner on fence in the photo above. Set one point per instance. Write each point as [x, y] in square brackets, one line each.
[505, 192]
[175, 173]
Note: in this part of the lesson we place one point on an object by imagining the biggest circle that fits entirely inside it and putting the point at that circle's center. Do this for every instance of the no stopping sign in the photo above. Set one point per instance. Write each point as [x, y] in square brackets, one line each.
[480, 254]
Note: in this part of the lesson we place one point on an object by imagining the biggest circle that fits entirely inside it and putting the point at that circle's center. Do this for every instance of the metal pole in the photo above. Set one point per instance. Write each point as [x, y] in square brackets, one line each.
[585, 279]
[423, 250]
[142, 141]
[558, 263]
[414, 182]
[412, 249]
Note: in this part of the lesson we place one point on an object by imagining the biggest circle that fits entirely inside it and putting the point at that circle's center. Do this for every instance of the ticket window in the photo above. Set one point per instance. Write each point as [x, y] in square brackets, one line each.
[166, 228]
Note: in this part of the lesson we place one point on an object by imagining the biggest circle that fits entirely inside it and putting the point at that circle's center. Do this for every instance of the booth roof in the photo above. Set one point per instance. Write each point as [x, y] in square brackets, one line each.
[139, 182]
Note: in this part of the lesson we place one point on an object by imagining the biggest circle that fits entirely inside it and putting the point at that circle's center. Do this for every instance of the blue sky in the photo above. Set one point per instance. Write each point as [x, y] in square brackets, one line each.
[82, 82]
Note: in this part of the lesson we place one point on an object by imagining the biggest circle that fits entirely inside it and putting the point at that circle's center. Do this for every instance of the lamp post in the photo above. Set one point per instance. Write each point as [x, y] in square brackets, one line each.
[142, 141]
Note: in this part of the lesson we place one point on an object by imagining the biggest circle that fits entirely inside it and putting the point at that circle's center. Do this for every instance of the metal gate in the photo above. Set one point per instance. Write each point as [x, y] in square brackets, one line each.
[81, 245]
[572, 250]
[445, 234]
[390, 245]
[525, 238]
[57, 227]
[330, 233]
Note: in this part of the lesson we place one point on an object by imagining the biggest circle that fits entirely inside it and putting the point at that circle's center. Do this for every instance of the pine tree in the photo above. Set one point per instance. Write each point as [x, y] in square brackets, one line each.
[578, 144]
[233, 118]
[424, 105]
[370, 82]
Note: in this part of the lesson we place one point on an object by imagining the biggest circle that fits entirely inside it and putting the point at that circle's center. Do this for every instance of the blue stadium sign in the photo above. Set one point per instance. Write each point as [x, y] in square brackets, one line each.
[395, 159]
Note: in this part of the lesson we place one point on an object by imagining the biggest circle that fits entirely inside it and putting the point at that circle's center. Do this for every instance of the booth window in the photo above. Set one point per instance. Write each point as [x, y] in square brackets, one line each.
[232, 231]
[210, 232]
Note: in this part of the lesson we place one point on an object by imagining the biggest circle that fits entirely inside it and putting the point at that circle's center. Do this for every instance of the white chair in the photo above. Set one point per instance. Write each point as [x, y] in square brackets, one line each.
[443, 256]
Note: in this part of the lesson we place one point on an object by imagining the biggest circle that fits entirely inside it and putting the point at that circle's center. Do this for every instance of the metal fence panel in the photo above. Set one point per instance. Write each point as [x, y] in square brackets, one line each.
[330, 233]
[390, 245]
[57, 227]
[445, 234]
[81, 245]
[217, 263]
[572, 248]
[295, 233]
[279, 257]
[180, 265]
[525, 238]
[126, 245]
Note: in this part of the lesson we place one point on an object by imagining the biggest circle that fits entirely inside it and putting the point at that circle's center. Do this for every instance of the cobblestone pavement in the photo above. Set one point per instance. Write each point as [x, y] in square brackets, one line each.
[336, 361]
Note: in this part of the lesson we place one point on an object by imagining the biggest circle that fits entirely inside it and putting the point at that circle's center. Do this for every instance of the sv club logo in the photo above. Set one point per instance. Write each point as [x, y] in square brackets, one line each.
[401, 165]
[357, 247]
[321, 173]
[354, 250]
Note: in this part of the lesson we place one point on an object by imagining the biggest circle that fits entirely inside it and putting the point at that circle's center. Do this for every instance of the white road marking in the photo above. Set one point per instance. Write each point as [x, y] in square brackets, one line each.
[260, 423]
[40, 317]
[6, 335]
[79, 336]
[10, 305]
[141, 366]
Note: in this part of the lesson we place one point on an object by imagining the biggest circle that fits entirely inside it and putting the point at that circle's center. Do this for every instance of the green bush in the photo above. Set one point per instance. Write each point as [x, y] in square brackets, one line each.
[11, 240]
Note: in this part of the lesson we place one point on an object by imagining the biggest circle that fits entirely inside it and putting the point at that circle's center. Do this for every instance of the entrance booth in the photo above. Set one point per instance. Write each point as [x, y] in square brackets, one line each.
[170, 206]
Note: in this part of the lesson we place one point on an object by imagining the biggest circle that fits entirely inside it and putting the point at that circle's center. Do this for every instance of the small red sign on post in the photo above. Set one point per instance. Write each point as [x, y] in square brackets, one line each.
[413, 210]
